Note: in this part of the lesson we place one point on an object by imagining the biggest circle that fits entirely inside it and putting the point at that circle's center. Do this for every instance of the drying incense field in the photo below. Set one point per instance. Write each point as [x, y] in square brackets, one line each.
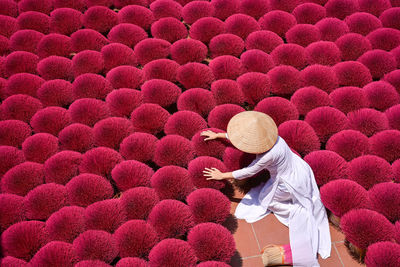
[103, 103]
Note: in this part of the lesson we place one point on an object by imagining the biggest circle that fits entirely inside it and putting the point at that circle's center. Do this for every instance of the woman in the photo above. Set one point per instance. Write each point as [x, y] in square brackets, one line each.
[291, 193]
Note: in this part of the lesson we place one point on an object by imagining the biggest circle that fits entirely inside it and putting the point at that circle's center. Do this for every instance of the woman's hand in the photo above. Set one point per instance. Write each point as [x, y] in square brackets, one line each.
[213, 174]
[210, 135]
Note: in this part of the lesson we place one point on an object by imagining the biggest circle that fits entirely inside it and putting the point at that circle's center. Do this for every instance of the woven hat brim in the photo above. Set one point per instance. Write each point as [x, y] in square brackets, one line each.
[252, 132]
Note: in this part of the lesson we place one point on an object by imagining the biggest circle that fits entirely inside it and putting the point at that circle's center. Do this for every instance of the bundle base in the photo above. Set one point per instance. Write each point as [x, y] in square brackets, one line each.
[335, 220]
[275, 255]
[356, 253]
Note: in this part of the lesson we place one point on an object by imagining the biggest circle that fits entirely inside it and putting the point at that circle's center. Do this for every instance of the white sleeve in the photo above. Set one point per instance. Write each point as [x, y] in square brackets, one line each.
[255, 166]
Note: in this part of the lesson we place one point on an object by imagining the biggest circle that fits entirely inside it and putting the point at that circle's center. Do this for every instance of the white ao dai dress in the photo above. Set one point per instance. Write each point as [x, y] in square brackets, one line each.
[293, 196]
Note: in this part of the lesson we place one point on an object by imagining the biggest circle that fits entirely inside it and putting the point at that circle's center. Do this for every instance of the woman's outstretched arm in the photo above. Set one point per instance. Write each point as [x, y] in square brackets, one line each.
[212, 135]
[215, 174]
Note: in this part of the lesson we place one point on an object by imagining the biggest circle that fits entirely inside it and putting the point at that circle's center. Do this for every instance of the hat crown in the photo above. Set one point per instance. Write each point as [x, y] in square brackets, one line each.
[256, 126]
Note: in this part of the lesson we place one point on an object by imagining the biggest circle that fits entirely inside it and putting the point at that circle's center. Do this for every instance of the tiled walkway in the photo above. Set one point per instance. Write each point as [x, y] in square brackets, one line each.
[251, 237]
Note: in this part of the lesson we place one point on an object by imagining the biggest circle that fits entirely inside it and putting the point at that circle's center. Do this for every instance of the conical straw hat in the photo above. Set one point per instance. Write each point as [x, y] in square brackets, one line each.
[252, 132]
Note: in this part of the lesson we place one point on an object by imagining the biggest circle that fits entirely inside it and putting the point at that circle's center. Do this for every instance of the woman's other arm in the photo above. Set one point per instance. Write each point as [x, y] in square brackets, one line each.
[256, 166]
